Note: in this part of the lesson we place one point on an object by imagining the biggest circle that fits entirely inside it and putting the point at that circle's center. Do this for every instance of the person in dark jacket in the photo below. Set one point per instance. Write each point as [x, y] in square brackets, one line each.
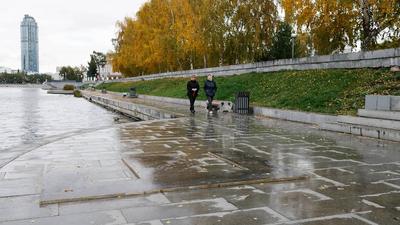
[210, 88]
[192, 91]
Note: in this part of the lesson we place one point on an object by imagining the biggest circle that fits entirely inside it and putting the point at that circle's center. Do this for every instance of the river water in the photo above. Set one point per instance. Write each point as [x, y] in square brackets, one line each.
[30, 114]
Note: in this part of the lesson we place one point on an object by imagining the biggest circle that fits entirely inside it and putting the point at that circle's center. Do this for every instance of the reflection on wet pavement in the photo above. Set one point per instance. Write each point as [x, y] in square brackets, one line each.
[350, 180]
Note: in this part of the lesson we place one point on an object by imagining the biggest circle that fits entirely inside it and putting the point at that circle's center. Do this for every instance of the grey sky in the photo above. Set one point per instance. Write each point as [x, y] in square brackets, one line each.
[68, 30]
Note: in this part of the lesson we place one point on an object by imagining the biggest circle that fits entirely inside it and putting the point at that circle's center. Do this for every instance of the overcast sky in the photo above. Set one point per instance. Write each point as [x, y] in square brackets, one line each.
[68, 30]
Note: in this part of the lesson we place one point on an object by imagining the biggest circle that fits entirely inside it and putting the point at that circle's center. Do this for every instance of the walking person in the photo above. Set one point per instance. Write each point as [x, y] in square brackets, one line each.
[210, 88]
[192, 91]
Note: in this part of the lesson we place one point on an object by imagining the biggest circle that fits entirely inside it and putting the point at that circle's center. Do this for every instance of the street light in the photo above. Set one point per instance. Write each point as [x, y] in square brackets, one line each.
[293, 39]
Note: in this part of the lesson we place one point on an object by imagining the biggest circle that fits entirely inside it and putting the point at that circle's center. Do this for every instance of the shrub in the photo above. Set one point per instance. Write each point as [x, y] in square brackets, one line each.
[397, 76]
[69, 87]
[77, 93]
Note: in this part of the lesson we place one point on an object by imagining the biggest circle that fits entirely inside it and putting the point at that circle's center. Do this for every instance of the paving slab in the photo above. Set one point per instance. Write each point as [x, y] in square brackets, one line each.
[364, 177]
[111, 204]
[113, 217]
[298, 206]
[24, 207]
[249, 217]
[383, 216]
[19, 187]
[164, 162]
[202, 169]
[176, 210]
[333, 221]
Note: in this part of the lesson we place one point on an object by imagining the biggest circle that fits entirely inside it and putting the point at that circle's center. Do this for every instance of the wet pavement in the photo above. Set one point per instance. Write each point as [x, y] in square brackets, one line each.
[201, 169]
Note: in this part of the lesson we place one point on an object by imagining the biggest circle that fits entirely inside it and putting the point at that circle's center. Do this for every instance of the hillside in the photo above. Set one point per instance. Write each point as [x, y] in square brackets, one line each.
[323, 91]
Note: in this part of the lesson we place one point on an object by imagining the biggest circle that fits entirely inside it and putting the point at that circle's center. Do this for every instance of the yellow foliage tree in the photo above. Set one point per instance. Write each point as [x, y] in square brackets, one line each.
[334, 24]
[170, 35]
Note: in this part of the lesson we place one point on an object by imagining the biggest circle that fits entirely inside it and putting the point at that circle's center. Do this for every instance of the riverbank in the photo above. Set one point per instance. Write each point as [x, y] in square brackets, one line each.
[183, 170]
[334, 91]
[20, 86]
[188, 169]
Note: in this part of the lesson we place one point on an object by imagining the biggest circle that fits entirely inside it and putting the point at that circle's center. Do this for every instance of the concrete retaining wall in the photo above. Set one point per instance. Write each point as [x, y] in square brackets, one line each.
[372, 59]
[177, 101]
[59, 85]
[290, 115]
[133, 110]
[368, 127]
[366, 131]
[20, 86]
[387, 115]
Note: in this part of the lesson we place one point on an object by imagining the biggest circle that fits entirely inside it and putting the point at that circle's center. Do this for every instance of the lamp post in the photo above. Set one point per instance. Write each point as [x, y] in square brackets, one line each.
[293, 36]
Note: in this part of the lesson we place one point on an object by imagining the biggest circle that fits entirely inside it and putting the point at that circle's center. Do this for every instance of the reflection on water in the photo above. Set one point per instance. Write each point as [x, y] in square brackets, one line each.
[28, 114]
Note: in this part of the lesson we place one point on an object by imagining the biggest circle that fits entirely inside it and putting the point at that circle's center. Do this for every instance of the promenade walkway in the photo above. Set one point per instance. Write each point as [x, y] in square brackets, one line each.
[203, 169]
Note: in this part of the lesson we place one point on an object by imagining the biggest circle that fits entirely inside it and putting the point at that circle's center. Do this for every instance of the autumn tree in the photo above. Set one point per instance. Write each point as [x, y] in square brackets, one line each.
[379, 19]
[187, 34]
[333, 25]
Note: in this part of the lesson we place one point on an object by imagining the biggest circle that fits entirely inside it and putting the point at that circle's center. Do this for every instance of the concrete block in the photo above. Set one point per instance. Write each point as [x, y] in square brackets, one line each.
[371, 102]
[383, 102]
[388, 115]
[388, 124]
[379, 54]
[395, 103]
[296, 116]
[397, 52]
[337, 127]
[361, 130]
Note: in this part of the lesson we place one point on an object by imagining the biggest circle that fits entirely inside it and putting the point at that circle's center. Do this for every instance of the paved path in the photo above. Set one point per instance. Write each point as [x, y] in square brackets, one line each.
[167, 172]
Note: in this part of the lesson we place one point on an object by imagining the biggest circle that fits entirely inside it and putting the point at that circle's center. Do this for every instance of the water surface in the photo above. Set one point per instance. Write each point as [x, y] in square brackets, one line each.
[29, 114]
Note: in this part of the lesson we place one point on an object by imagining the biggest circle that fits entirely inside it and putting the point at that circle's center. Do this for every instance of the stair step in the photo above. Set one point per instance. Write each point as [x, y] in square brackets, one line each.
[371, 122]
[362, 130]
[387, 115]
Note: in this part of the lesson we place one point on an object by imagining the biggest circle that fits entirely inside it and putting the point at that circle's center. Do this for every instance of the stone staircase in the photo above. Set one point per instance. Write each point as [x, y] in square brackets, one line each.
[380, 119]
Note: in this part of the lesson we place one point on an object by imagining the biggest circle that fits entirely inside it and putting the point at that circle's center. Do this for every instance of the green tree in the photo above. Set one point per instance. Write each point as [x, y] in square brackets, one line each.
[100, 59]
[92, 67]
[38, 78]
[282, 42]
[71, 73]
[10, 78]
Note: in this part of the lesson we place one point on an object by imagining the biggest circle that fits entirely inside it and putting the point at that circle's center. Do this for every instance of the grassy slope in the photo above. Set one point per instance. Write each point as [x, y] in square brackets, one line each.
[323, 91]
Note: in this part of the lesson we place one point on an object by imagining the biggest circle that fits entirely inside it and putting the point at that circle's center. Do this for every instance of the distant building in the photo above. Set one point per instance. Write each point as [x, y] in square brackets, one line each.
[106, 72]
[7, 70]
[54, 76]
[29, 45]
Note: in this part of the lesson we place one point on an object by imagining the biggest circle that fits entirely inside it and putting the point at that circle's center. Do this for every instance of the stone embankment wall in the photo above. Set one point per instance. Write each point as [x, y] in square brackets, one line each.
[59, 85]
[371, 59]
[137, 111]
[20, 86]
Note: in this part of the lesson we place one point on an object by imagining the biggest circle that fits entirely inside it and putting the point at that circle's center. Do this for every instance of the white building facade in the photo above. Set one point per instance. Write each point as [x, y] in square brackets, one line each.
[106, 73]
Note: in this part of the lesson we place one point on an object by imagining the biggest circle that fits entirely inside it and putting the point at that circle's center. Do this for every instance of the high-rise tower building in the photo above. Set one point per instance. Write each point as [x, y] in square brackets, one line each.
[29, 45]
